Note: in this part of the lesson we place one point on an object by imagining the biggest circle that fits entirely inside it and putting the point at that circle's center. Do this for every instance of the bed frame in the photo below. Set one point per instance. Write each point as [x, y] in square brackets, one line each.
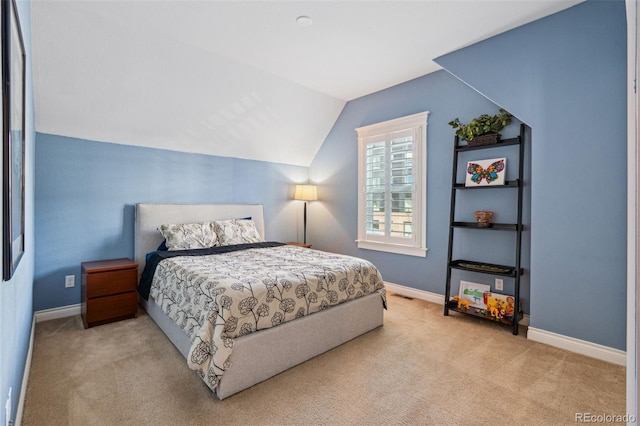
[281, 347]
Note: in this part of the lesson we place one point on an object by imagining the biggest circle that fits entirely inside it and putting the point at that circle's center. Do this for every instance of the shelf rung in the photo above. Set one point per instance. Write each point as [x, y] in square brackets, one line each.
[453, 306]
[507, 184]
[483, 268]
[504, 142]
[492, 226]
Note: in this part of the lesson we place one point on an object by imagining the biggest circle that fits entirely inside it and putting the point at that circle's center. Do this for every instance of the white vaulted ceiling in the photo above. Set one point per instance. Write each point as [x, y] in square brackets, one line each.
[239, 78]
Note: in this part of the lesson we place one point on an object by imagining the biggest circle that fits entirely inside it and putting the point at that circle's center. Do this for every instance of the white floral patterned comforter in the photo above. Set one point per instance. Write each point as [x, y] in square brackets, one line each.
[215, 298]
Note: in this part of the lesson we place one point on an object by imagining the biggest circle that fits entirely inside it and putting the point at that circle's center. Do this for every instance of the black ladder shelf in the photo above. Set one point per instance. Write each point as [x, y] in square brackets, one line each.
[513, 271]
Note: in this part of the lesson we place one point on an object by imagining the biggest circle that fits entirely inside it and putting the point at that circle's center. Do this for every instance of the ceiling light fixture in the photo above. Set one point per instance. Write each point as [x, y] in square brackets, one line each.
[304, 21]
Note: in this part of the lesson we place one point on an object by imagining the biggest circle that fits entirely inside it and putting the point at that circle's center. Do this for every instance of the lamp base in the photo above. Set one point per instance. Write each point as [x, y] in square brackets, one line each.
[305, 222]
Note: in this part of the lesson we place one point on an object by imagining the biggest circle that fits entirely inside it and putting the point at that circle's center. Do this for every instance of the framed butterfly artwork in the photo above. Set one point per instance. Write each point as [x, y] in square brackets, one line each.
[486, 172]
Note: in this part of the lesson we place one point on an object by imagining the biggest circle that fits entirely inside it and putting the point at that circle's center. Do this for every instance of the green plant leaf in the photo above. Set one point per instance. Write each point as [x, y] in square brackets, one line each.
[482, 124]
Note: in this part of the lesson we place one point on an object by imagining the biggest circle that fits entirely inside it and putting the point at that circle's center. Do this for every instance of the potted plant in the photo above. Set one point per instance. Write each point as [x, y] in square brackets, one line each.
[482, 130]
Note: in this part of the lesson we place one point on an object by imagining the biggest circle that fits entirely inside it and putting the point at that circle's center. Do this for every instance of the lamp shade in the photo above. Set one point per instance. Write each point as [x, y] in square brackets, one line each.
[306, 193]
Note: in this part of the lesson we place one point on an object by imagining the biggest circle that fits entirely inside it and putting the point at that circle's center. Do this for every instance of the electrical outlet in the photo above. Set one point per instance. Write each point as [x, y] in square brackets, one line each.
[70, 281]
[499, 284]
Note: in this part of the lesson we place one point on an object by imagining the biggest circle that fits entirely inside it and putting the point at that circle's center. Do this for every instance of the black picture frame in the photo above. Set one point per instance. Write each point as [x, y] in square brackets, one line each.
[13, 138]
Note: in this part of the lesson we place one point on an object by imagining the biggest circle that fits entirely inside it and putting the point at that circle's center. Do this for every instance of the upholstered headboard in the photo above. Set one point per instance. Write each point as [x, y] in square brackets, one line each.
[150, 216]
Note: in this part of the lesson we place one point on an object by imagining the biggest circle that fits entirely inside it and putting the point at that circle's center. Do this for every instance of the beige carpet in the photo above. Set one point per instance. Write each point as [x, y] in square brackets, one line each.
[419, 368]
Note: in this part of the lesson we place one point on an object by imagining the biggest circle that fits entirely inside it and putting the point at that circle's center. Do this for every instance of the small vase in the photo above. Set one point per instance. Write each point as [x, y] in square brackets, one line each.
[483, 218]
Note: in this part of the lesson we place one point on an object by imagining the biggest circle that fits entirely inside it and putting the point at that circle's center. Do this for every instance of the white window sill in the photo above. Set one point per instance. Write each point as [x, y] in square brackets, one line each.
[393, 248]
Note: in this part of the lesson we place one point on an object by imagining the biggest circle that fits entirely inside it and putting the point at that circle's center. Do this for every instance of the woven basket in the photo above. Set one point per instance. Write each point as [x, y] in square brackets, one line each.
[486, 139]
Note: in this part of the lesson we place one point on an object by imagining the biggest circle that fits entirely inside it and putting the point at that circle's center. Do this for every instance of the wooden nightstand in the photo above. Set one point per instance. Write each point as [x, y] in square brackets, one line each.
[293, 243]
[109, 291]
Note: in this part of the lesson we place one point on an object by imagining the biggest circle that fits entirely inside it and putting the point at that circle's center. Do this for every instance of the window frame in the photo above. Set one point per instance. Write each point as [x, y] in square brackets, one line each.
[416, 125]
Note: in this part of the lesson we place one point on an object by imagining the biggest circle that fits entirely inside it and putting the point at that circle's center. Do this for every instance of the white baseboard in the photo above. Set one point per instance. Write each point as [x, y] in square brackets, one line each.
[55, 313]
[25, 374]
[583, 347]
[429, 296]
[415, 293]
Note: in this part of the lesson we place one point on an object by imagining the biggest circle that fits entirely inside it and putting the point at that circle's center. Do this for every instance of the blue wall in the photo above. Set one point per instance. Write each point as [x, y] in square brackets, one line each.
[565, 75]
[335, 170]
[16, 311]
[86, 192]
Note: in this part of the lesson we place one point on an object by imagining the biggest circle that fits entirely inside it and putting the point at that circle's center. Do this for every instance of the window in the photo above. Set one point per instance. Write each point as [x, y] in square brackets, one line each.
[392, 170]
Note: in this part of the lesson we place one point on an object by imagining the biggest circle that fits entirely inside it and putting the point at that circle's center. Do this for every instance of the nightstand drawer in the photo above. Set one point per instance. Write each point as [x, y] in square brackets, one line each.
[111, 307]
[111, 282]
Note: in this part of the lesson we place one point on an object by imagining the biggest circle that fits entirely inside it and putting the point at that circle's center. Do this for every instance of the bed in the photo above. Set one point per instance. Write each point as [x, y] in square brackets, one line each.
[279, 347]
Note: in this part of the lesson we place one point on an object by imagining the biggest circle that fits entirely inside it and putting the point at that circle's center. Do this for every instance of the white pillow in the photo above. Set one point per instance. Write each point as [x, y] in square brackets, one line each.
[187, 236]
[236, 231]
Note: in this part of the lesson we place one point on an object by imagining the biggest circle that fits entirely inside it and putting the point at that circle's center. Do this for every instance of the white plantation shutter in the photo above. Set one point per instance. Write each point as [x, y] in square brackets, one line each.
[401, 185]
[392, 171]
[375, 189]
